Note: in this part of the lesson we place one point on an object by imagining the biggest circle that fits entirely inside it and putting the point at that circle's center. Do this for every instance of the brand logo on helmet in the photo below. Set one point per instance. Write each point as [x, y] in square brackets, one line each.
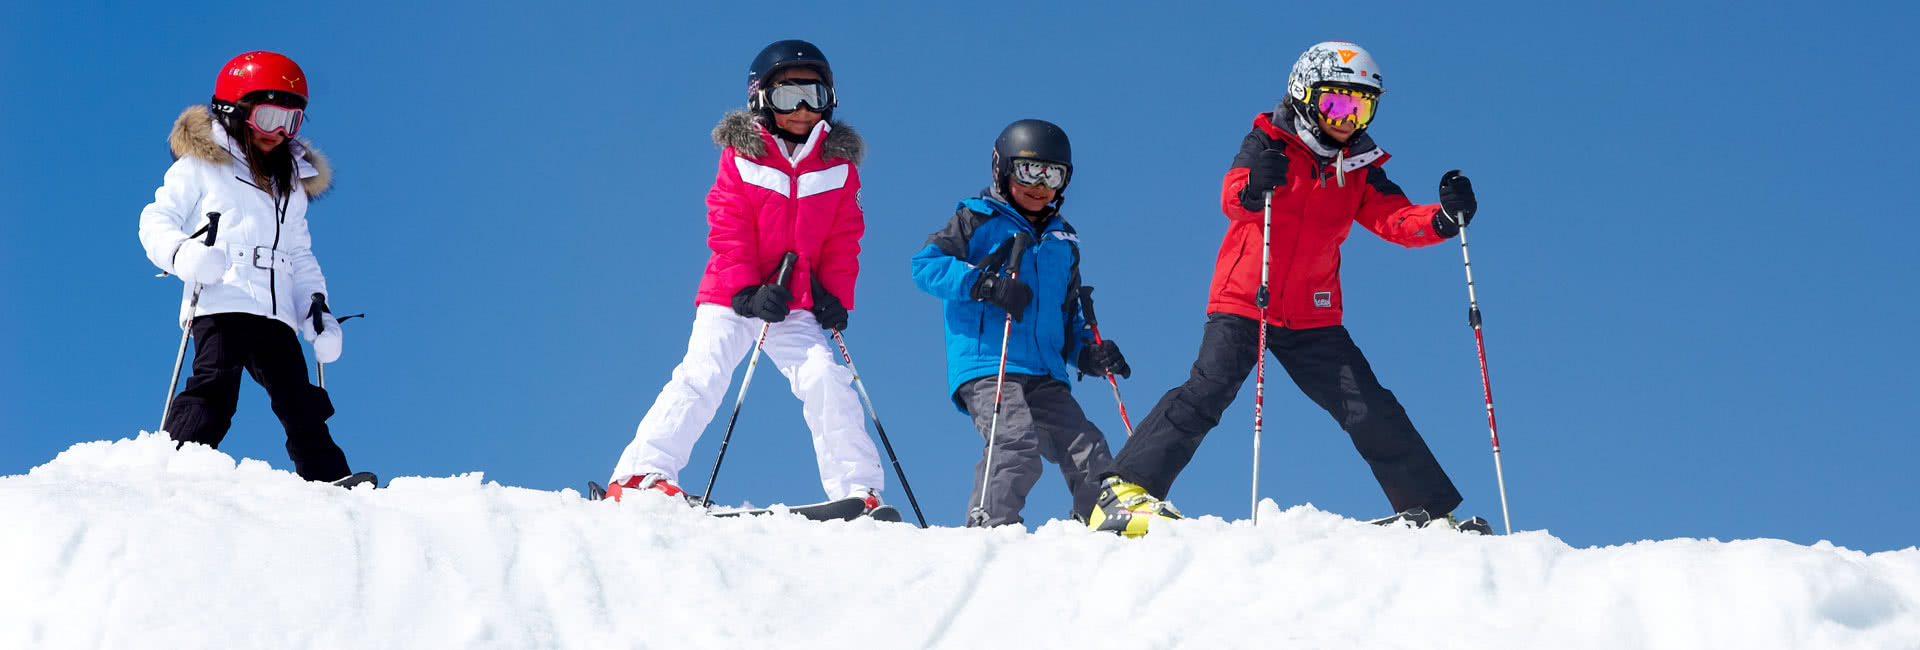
[1346, 56]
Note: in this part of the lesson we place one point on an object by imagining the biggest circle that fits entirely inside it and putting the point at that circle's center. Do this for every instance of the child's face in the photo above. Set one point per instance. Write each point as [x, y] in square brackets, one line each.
[1339, 132]
[1032, 198]
[267, 141]
[801, 120]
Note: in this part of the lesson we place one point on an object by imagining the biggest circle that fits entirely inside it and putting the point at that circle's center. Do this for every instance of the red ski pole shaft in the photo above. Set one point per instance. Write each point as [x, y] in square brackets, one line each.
[1486, 384]
[1260, 366]
[1086, 312]
[1019, 243]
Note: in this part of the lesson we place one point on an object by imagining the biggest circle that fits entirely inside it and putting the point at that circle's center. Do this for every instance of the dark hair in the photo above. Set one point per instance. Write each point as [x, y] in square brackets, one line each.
[272, 171]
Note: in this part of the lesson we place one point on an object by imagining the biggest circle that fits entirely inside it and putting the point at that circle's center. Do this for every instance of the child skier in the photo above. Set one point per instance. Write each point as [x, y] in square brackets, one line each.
[240, 176]
[1031, 415]
[1313, 154]
[788, 182]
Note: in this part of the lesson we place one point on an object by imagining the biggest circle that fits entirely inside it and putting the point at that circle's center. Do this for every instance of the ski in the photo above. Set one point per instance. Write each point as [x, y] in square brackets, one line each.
[836, 510]
[358, 478]
[1419, 518]
[846, 509]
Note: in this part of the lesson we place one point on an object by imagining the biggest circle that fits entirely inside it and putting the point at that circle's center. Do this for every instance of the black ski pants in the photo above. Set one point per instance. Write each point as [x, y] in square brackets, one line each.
[223, 345]
[1039, 419]
[1329, 369]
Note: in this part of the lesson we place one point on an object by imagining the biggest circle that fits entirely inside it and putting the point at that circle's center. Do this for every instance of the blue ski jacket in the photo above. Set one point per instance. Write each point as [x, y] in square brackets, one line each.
[1051, 331]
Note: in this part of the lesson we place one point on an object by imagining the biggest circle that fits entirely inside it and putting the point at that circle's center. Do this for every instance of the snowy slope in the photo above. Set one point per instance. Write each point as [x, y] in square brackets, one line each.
[130, 544]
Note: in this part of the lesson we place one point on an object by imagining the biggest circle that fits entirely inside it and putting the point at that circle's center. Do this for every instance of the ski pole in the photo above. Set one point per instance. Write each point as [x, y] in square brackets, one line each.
[1019, 243]
[780, 279]
[323, 365]
[1086, 311]
[1486, 385]
[876, 426]
[1260, 373]
[180, 358]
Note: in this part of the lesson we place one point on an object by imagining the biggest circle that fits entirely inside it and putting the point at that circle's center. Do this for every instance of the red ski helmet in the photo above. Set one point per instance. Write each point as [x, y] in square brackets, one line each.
[256, 71]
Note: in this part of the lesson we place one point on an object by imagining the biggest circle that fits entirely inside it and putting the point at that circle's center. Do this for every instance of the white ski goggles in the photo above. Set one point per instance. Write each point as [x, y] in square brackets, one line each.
[1027, 171]
[268, 118]
[790, 95]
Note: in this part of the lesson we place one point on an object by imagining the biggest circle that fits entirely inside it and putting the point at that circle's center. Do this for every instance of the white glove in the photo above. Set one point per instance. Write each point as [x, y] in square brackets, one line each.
[327, 341]
[326, 344]
[198, 264]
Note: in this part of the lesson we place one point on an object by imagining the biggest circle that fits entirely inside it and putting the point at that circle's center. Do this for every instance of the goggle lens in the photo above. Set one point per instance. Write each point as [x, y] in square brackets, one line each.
[788, 97]
[1038, 172]
[267, 118]
[1345, 105]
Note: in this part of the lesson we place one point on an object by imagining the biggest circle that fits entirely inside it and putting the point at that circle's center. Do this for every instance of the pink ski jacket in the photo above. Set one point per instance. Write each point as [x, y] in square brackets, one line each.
[764, 204]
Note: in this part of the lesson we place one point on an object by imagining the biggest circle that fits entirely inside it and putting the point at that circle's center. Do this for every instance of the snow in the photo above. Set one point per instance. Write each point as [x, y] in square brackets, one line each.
[131, 544]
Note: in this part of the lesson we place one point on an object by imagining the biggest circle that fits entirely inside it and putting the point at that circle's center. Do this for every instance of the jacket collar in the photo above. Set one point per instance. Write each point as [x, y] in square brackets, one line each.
[999, 205]
[1359, 152]
[743, 131]
[196, 134]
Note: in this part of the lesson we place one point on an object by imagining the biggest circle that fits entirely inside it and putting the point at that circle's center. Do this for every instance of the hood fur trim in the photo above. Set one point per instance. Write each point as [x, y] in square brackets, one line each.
[742, 131]
[193, 136]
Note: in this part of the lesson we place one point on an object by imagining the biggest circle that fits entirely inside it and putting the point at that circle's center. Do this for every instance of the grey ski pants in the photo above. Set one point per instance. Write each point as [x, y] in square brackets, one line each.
[1039, 420]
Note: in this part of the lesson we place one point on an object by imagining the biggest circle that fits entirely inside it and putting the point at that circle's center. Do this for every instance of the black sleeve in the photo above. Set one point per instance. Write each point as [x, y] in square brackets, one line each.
[1250, 148]
[954, 237]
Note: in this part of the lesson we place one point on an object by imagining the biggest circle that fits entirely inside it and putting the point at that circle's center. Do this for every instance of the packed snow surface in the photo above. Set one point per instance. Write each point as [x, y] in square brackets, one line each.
[131, 544]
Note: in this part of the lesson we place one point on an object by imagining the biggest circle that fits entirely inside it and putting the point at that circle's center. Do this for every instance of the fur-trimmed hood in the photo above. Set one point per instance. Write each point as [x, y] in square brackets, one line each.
[742, 131]
[195, 134]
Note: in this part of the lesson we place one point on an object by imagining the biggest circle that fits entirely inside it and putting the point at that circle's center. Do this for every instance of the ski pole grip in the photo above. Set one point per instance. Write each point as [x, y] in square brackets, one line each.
[213, 227]
[1020, 242]
[1086, 306]
[786, 268]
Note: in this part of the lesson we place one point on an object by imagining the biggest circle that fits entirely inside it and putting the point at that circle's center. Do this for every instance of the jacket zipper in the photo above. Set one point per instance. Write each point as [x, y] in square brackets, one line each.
[273, 274]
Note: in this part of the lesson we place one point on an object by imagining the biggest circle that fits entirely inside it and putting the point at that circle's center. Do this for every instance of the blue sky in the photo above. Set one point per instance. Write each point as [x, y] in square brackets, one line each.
[1690, 251]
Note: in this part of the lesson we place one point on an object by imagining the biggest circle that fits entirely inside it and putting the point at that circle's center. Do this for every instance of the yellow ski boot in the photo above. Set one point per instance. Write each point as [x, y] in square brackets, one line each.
[1127, 509]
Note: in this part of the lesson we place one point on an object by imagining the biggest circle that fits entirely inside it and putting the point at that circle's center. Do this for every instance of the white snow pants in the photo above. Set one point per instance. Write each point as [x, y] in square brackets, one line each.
[846, 457]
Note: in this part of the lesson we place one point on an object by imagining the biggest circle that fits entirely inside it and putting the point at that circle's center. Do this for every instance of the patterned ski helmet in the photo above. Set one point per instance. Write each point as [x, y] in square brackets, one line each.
[1333, 62]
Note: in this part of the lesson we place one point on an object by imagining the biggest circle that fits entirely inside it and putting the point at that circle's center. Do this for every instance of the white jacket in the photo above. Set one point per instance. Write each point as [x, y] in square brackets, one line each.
[274, 273]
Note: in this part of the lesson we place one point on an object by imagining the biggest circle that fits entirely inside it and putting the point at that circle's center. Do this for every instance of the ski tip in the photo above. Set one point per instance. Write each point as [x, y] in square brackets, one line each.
[357, 479]
[595, 492]
[885, 513]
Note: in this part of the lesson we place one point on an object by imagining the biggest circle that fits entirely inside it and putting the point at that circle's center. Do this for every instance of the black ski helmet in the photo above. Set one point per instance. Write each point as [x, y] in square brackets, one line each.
[780, 55]
[1035, 139]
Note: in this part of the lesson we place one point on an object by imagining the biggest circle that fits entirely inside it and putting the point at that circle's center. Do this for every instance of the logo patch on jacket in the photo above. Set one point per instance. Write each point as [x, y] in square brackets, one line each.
[1323, 299]
[1064, 235]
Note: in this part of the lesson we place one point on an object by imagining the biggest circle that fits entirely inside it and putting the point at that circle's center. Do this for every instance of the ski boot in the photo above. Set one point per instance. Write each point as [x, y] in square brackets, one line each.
[1127, 509]
[1417, 517]
[654, 482]
[876, 509]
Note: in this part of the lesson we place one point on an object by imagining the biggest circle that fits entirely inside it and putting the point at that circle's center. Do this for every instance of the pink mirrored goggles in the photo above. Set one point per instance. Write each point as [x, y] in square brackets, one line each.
[268, 118]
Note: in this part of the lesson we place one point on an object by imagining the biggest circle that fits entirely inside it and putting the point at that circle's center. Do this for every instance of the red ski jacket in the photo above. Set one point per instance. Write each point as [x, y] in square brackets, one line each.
[1312, 215]
[763, 205]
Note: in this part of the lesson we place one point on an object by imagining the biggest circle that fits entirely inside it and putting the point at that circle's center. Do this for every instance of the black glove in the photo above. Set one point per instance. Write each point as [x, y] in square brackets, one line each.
[767, 302]
[827, 308]
[1098, 359]
[1267, 171]
[1456, 202]
[1008, 293]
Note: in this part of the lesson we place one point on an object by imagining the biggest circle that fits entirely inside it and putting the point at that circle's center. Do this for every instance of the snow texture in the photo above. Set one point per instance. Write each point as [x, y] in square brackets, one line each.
[131, 544]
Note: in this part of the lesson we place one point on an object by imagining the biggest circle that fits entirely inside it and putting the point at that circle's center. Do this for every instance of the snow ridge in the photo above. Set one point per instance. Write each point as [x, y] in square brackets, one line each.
[131, 544]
